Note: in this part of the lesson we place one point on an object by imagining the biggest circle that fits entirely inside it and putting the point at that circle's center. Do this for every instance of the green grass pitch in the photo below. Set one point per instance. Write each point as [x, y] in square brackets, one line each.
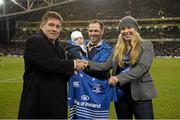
[166, 74]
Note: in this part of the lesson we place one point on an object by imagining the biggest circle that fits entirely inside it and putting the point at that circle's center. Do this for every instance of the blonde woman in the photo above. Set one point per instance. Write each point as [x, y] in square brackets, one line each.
[130, 62]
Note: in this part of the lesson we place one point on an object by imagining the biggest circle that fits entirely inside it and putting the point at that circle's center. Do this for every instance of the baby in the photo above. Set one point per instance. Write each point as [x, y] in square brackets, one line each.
[76, 46]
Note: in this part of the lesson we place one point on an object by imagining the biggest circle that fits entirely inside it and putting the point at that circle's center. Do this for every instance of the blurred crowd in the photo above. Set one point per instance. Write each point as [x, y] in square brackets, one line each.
[161, 48]
[11, 50]
[170, 49]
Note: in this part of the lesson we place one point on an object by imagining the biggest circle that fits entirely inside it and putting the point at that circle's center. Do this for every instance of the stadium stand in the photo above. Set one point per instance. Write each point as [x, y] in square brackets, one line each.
[158, 23]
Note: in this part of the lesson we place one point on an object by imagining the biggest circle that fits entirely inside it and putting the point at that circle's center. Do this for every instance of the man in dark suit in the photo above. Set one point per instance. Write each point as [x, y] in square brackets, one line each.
[46, 70]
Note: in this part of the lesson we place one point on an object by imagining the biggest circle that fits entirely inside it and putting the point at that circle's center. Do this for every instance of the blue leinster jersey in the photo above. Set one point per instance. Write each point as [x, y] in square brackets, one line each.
[89, 98]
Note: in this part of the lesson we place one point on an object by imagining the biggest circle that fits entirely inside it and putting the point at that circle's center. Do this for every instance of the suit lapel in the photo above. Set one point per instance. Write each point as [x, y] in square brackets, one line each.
[60, 51]
[54, 49]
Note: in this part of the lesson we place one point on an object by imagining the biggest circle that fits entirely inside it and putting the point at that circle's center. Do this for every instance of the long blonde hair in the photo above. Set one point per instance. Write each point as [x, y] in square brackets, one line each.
[121, 49]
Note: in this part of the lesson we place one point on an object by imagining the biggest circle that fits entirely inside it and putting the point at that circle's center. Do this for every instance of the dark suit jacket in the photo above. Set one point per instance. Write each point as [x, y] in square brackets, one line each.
[142, 86]
[44, 92]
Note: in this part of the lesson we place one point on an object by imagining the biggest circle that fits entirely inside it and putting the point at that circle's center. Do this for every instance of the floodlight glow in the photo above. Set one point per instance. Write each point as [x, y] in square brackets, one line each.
[1, 2]
[14, 1]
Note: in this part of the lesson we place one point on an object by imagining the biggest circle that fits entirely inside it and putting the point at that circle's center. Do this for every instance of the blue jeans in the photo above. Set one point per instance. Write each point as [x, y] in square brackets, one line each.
[126, 108]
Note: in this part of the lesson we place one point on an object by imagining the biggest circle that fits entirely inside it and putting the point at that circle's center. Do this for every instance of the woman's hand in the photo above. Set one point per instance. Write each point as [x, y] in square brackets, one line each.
[113, 81]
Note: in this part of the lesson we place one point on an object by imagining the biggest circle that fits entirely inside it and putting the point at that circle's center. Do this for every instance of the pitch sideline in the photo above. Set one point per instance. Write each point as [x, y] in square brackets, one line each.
[16, 79]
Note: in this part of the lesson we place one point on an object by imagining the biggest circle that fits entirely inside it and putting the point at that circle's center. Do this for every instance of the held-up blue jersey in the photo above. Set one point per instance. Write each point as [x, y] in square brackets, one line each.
[89, 98]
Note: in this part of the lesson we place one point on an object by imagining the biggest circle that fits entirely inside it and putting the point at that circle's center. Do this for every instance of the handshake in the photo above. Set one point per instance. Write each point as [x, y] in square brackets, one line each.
[81, 64]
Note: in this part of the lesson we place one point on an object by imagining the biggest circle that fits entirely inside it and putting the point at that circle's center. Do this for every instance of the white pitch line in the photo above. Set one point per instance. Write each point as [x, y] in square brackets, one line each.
[174, 64]
[16, 81]
[11, 79]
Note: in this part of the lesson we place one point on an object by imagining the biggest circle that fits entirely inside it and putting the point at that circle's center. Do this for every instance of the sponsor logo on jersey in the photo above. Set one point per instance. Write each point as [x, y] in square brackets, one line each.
[76, 84]
[85, 97]
[97, 88]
